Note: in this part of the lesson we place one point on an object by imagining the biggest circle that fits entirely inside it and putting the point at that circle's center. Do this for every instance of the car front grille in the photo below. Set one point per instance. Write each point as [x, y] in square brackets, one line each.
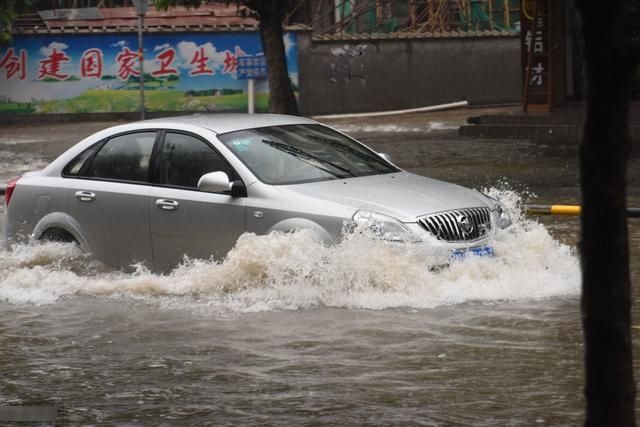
[462, 225]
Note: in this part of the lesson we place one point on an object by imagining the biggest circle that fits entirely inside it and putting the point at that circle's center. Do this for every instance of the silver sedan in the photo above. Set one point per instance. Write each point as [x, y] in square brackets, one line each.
[155, 191]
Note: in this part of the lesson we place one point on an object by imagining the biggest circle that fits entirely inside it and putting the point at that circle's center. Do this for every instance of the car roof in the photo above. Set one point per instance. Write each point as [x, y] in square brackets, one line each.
[228, 122]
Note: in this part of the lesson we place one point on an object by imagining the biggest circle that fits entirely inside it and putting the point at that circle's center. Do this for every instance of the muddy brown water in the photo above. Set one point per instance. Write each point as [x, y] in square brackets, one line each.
[288, 332]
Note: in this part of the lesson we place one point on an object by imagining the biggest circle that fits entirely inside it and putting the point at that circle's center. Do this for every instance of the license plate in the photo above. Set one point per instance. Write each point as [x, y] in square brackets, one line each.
[485, 251]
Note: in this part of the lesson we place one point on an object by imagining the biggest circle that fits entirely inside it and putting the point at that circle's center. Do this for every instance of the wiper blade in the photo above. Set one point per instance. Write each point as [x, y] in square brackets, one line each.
[345, 147]
[306, 156]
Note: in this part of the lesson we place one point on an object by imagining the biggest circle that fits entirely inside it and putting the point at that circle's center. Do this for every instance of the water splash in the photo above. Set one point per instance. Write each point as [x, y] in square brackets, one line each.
[294, 271]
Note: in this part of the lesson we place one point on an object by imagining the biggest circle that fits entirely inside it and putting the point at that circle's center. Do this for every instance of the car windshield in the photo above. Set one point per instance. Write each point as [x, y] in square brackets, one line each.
[295, 154]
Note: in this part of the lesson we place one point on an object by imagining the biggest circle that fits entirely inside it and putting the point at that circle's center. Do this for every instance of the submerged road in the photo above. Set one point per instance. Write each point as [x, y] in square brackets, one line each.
[286, 331]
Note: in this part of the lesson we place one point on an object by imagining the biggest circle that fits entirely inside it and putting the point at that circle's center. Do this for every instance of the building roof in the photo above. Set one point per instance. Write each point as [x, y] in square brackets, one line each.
[208, 17]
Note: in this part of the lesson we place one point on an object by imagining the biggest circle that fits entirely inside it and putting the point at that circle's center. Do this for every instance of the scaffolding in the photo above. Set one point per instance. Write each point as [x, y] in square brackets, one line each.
[327, 17]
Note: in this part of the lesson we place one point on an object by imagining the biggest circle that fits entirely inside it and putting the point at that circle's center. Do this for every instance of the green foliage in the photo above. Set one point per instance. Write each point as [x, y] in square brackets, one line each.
[10, 9]
[128, 100]
[16, 108]
[150, 81]
[213, 92]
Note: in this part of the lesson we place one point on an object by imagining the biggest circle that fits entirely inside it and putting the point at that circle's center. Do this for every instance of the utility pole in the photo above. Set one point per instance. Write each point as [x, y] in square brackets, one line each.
[141, 9]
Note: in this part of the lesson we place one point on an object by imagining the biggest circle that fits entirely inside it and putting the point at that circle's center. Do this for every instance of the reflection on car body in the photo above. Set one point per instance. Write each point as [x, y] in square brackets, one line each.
[159, 190]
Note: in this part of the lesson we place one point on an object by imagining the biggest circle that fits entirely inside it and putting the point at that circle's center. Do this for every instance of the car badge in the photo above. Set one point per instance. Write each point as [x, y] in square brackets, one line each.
[466, 226]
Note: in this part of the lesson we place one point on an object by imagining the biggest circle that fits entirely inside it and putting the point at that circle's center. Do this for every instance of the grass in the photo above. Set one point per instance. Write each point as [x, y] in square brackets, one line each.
[16, 108]
[155, 100]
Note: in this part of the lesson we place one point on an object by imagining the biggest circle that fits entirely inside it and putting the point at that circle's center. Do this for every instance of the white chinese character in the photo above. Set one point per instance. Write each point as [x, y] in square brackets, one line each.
[527, 40]
[537, 75]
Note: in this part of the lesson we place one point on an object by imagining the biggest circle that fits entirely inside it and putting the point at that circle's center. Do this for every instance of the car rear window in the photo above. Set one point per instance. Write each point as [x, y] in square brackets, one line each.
[122, 158]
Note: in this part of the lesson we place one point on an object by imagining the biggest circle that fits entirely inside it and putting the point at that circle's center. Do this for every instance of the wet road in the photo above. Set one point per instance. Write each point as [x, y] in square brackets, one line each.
[358, 334]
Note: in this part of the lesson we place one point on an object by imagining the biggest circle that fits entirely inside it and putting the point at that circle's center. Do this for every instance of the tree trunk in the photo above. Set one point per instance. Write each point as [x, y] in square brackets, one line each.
[281, 97]
[606, 285]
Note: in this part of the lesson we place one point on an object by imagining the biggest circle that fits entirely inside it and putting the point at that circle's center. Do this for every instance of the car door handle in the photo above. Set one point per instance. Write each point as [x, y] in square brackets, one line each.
[167, 205]
[85, 196]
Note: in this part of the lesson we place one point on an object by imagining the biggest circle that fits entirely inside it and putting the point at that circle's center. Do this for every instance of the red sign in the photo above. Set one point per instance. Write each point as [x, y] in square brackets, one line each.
[91, 64]
[50, 66]
[165, 58]
[14, 64]
[200, 60]
[231, 61]
[127, 60]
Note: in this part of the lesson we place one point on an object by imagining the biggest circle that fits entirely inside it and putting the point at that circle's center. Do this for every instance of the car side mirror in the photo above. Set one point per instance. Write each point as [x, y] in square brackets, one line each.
[214, 182]
[218, 182]
[386, 157]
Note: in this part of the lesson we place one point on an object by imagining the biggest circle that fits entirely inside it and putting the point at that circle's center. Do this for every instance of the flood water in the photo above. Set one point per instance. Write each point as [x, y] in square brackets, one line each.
[286, 331]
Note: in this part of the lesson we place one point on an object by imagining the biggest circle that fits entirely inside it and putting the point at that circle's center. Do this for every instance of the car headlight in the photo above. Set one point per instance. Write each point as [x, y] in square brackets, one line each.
[500, 212]
[503, 219]
[384, 227]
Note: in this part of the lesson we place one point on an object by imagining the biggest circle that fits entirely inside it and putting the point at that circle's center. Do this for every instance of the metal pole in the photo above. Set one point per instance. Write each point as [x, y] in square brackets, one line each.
[251, 96]
[141, 56]
[507, 15]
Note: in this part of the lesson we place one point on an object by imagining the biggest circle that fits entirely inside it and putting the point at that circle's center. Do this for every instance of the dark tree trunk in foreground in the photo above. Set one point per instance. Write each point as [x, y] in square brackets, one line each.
[606, 285]
[271, 14]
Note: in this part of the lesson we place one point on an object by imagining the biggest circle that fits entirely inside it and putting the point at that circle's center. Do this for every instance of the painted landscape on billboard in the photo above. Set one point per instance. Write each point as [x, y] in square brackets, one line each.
[101, 73]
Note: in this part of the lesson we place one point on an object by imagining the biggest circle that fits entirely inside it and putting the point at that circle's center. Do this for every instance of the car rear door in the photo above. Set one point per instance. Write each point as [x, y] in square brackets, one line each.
[109, 197]
[183, 220]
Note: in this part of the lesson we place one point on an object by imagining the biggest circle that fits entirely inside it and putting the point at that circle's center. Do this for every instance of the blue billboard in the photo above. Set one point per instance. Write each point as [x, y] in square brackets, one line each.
[101, 73]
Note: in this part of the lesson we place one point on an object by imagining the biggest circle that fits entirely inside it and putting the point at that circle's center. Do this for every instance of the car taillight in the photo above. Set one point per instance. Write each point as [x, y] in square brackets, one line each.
[8, 192]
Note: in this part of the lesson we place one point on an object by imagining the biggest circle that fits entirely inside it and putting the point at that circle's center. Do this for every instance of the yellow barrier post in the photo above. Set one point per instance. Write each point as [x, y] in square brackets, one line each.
[569, 210]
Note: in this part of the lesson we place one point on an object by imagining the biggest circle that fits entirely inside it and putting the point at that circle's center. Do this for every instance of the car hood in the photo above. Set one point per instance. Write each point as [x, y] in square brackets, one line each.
[402, 195]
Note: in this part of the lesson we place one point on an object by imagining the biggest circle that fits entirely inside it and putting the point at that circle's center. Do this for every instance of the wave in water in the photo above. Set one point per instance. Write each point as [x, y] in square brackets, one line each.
[294, 271]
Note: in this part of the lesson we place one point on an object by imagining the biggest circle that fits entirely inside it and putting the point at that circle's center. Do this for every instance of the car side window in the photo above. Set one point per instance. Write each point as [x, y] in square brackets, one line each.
[79, 165]
[184, 159]
[124, 158]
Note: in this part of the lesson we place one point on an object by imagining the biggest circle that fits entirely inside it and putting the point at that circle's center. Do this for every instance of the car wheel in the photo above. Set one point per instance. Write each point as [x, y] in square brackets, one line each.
[57, 235]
